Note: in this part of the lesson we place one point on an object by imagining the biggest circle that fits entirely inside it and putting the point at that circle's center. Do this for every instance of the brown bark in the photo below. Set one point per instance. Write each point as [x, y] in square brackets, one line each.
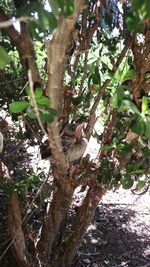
[140, 84]
[18, 240]
[82, 221]
[24, 45]
[57, 57]
[15, 226]
[108, 132]
[54, 218]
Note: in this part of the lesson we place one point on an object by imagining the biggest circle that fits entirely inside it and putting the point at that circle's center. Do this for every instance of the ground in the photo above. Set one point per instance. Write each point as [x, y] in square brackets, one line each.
[119, 234]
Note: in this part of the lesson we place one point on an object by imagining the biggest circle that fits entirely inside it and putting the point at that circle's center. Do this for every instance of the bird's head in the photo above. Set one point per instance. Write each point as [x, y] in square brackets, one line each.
[79, 131]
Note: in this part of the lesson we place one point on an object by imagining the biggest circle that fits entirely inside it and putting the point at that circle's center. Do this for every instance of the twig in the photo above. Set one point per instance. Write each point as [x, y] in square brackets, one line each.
[84, 73]
[91, 121]
[88, 254]
[13, 20]
[35, 104]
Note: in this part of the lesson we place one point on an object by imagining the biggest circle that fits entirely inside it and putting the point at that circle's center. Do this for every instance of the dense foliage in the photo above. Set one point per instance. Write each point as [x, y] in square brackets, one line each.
[69, 70]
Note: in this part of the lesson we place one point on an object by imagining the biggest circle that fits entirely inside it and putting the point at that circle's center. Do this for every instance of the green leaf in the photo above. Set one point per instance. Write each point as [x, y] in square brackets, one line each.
[45, 101]
[42, 116]
[140, 185]
[132, 167]
[46, 20]
[46, 117]
[19, 106]
[134, 22]
[95, 77]
[54, 6]
[52, 112]
[38, 92]
[117, 98]
[62, 7]
[127, 182]
[4, 58]
[52, 22]
[77, 100]
[129, 75]
[31, 113]
[145, 102]
[36, 30]
[49, 119]
[147, 129]
[106, 148]
[128, 105]
[28, 91]
[139, 126]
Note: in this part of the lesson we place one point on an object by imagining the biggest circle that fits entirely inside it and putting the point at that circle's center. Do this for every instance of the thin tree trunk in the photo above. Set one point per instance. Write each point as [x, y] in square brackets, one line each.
[56, 215]
[82, 221]
[18, 241]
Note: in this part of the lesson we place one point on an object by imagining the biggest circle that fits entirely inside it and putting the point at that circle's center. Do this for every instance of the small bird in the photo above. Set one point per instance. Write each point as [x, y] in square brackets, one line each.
[73, 140]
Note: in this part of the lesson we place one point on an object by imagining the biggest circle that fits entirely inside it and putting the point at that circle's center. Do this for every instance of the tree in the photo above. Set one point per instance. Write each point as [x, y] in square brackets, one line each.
[62, 71]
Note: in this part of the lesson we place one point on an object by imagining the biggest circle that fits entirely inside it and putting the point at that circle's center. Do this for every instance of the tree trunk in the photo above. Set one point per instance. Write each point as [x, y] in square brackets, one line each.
[18, 240]
[54, 218]
[82, 221]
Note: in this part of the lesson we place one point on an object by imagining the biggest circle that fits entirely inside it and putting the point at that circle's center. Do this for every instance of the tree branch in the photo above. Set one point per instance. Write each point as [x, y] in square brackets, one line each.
[92, 117]
[24, 45]
[57, 58]
[15, 225]
[10, 22]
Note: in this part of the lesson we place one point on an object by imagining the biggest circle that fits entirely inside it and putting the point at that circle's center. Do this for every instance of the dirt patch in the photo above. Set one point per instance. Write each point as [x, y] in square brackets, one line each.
[119, 234]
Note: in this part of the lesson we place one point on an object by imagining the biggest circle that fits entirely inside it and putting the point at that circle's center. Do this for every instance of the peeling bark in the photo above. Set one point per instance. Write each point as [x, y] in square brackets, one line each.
[57, 58]
[15, 226]
[54, 218]
[82, 220]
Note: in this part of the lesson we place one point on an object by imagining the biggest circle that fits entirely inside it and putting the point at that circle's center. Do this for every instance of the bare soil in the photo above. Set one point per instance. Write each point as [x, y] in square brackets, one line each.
[119, 235]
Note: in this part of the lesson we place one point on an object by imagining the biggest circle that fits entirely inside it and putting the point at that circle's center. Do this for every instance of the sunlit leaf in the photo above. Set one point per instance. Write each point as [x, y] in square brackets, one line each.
[19, 106]
[4, 58]
[129, 75]
[38, 92]
[140, 184]
[145, 102]
[130, 106]
[43, 101]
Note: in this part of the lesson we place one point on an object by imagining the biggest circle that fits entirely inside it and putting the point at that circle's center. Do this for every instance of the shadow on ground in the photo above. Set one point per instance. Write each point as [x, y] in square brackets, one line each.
[116, 238]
